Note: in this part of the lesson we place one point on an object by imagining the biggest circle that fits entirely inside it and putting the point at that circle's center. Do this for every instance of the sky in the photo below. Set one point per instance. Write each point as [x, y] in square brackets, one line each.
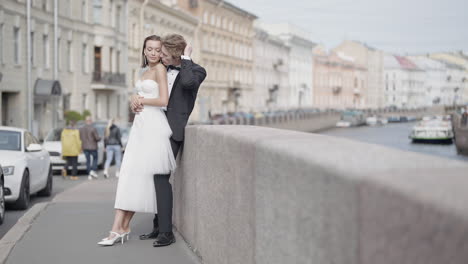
[398, 26]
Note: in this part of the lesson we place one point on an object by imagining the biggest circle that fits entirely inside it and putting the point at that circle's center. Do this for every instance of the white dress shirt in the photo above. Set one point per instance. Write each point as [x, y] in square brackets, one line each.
[171, 76]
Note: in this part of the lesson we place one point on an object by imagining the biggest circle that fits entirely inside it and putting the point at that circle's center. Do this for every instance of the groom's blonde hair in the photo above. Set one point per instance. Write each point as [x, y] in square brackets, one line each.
[175, 44]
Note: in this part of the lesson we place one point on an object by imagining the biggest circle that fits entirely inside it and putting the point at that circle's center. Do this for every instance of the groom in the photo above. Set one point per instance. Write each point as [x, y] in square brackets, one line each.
[183, 80]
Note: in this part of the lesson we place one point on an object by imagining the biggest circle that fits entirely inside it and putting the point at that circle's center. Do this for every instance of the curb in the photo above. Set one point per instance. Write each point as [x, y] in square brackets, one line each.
[9, 240]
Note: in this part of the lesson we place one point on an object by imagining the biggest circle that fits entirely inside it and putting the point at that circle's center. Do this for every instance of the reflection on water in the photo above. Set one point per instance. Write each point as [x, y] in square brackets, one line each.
[395, 135]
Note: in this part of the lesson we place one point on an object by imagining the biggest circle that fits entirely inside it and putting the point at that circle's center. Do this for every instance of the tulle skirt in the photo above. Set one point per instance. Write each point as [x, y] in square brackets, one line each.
[148, 152]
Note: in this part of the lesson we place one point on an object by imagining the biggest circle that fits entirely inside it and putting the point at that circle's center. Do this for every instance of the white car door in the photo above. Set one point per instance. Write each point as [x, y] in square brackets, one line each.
[34, 159]
[45, 164]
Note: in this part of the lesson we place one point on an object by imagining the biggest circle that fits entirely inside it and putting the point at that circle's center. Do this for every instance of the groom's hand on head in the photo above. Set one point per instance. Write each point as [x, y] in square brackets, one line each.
[188, 50]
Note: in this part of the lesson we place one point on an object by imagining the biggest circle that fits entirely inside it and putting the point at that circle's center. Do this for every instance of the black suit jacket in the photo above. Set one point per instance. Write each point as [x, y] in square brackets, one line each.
[183, 95]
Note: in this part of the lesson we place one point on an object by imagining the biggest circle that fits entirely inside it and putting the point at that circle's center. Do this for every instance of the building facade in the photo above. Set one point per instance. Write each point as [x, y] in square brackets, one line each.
[457, 63]
[372, 59]
[271, 86]
[435, 79]
[226, 41]
[338, 81]
[77, 61]
[300, 63]
[404, 85]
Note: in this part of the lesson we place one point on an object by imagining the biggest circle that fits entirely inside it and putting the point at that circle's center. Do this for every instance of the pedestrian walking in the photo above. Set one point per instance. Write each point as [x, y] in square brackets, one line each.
[113, 143]
[90, 139]
[71, 148]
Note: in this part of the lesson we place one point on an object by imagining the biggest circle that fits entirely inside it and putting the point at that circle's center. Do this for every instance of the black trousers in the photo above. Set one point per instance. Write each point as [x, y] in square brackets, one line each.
[73, 162]
[163, 219]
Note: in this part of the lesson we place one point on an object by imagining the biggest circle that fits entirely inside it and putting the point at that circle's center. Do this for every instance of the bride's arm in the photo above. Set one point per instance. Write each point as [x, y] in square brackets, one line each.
[161, 79]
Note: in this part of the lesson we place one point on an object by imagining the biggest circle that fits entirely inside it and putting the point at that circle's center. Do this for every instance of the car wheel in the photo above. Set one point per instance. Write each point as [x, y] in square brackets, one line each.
[47, 191]
[24, 197]
[2, 201]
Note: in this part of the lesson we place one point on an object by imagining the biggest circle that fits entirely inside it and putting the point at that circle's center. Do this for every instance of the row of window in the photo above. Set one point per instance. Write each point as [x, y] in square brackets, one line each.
[226, 47]
[336, 80]
[68, 8]
[225, 72]
[225, 23]
[41, 47]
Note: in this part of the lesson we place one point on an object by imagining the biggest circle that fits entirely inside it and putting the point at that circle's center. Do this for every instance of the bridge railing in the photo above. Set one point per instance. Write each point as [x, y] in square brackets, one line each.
[248, 194]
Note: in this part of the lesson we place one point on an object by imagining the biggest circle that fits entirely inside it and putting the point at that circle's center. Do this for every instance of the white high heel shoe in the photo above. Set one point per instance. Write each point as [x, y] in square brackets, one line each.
[111, 241]
[126, 234]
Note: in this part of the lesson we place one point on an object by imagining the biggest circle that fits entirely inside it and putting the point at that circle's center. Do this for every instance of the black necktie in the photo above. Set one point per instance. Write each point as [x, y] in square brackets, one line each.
[172, 67]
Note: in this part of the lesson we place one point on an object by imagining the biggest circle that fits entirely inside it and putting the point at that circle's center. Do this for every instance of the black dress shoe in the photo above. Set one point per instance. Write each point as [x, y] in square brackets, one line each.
[154, 234]
[164, 239]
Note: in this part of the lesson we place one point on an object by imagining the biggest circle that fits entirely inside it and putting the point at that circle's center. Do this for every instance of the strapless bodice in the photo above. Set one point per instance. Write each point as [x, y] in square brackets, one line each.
[147, 88]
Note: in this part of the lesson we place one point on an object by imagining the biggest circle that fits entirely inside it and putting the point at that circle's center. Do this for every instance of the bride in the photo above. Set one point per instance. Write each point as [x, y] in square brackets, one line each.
[148, 150]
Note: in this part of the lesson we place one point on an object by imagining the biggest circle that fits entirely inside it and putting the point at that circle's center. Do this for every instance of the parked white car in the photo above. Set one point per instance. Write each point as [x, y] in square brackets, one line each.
[53, 144]
[26, 166]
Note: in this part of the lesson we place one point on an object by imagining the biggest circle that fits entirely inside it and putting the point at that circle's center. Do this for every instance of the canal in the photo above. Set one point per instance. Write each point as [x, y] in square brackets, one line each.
[395, 135]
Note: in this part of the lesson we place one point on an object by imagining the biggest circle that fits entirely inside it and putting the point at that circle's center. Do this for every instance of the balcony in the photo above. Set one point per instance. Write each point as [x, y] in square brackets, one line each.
[109, 78]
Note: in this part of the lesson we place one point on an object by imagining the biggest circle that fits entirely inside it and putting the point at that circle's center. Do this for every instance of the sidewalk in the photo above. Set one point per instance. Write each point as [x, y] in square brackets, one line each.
[70, 226]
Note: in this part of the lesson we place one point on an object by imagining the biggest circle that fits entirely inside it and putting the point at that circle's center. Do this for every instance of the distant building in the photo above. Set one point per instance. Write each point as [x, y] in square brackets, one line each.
[80, 67]
[338, 81]
[271, 86]
[300, 63]
[371, 59]
[404, 83]
[457, 76]
[226, 40]
[435, 80]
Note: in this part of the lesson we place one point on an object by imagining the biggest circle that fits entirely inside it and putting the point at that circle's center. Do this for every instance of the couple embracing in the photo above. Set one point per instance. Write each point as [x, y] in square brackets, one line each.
[166, 93]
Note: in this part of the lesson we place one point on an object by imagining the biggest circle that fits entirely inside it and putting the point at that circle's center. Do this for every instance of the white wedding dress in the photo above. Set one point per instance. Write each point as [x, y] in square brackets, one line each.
[148, 152]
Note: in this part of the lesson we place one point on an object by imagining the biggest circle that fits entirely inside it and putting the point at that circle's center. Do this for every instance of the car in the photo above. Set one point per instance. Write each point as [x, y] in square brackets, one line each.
[433, 130]
[394, 119]
[53, 144]
[125, 132]
[2, 196]
[26, 167]
[351, 118]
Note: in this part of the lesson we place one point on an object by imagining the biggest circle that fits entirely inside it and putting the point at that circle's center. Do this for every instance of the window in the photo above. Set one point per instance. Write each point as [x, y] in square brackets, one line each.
[16, 39]
[117, 62]
[1, 43]
[118, 104]
[45, 45]
[117, 18]
[97, 11]
[111, 3]
[59, 50]
[205, 18]
[212, 22]
[111, 54]
[84, 101]
[69, 55]
[44, 5]
[84, 56]
[83, 10]
[32, 49]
